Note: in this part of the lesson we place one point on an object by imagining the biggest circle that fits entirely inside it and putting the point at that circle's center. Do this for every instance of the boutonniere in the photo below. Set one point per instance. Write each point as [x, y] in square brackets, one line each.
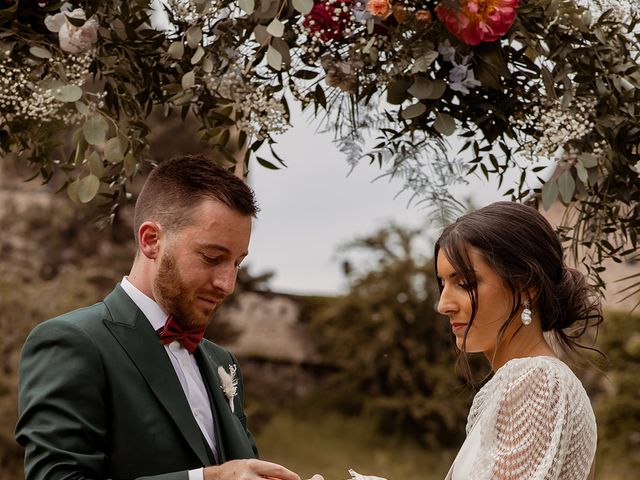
[229, 383]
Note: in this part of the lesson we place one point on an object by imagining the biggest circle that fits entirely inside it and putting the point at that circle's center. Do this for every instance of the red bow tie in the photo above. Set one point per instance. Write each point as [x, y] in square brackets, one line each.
[189, 338]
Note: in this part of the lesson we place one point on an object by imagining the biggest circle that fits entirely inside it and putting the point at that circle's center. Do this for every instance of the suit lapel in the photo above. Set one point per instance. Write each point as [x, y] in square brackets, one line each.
[232, 440]
[135, 334]
[207, 368]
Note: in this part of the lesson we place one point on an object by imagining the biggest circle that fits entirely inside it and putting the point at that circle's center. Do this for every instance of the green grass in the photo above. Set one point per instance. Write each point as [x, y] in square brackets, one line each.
[331, 444]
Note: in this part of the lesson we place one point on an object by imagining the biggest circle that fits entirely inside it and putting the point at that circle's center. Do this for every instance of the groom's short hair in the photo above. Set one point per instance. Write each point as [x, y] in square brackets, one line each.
[176, 186]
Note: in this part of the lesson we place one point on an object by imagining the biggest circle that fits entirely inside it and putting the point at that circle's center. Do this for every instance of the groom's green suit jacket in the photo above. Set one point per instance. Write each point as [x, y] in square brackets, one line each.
[100, 399]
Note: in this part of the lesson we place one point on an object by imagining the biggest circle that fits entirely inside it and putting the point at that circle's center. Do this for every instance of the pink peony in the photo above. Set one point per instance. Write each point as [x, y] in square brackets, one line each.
[73, 39]
[475, 21]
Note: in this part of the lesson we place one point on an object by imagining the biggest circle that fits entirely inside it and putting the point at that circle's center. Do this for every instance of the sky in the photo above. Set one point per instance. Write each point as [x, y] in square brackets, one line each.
[315, 205]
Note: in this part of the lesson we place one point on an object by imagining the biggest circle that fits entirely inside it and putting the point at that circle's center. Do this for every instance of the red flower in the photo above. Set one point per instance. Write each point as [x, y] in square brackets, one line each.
[322, 19]
[475, 21]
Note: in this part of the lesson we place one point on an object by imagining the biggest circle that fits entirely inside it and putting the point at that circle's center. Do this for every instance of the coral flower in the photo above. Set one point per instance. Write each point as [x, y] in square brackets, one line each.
[379, 8]
[475, 21]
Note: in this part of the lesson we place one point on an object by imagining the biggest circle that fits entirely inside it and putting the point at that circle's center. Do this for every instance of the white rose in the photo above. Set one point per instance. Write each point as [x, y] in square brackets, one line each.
[73, 39]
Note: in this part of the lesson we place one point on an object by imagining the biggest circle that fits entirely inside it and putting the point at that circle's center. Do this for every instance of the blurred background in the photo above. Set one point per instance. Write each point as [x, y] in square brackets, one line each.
[346, 362]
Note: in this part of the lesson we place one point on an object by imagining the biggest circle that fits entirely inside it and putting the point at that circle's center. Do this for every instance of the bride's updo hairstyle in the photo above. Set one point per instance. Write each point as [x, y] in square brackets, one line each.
[524, 250]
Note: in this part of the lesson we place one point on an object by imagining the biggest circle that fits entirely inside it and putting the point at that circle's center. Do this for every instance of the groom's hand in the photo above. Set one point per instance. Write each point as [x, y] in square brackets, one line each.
[251, 469]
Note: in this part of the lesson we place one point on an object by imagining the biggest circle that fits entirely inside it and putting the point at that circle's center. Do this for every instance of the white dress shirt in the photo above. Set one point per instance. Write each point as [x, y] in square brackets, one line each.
[186, 369]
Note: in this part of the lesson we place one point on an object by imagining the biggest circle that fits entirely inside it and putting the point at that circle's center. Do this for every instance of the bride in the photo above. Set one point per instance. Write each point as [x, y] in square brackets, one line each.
[503, 284]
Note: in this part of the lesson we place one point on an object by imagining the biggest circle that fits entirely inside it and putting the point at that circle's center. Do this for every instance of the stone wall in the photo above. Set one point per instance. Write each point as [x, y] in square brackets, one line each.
[268, 327]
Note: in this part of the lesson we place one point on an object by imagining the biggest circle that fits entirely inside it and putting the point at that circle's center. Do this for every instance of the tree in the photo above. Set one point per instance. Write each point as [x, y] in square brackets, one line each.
[393, 352]
[618, 407]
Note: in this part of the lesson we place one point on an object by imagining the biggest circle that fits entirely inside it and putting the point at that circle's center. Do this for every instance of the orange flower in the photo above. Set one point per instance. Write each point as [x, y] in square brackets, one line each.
[475, 21]
[379, 8]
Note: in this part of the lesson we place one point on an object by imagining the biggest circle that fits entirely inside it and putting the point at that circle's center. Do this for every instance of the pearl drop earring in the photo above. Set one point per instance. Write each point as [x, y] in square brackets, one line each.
[526, 313]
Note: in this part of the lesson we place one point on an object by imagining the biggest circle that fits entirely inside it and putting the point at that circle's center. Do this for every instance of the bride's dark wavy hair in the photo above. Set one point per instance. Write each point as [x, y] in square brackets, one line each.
[524, 250]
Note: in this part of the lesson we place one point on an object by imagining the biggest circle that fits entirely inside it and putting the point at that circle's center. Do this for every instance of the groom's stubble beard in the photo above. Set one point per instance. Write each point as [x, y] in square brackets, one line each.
[175, 296]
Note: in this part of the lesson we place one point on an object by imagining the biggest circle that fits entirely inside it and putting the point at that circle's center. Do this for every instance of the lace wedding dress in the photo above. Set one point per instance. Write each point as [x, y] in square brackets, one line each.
[532, 420]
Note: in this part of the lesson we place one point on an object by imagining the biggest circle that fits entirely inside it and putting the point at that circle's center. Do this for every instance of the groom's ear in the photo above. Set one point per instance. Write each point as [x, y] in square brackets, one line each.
[149, 239]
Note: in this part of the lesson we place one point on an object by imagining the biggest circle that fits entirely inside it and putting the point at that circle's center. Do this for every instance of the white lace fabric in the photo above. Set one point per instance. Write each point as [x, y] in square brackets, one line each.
[536, 423]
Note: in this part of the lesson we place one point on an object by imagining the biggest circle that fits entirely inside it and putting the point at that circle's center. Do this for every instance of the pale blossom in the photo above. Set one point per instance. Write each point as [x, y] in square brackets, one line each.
[447, 51]
[73, 39]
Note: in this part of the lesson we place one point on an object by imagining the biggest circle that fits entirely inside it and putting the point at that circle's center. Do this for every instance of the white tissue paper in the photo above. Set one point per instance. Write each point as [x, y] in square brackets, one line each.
[356, 476]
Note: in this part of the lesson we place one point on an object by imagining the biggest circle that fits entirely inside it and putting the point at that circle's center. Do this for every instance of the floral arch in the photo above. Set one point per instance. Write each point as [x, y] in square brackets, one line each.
[519, 80]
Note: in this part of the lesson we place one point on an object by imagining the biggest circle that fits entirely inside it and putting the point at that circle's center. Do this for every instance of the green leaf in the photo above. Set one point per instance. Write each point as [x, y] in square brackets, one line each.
[261, 34]
[423, 62]
[176, 50]
[40, 52]
[445, 124]
[194, 37]
[493, 56]
[247, 6]
[413, 111]
[82, 108]
[303, 6]
[130, 164]
[276, 28]
[7, 47]
[305, 74]
[113, 150]
[283, 48]
[583, 175]
[549, 194]
[95, 164]
[267, 164]
[397, 91]
[425, 88]
[72, 191]
[320, 96]
[182, 98]
[198, 55]
[188, 80]
[88, 188]
[567, 186]
[589, 160]
[368, 45]
[547, 79]
[95, 130]
[76, 22]
[274, 58]
[67, 93]
[207, 65]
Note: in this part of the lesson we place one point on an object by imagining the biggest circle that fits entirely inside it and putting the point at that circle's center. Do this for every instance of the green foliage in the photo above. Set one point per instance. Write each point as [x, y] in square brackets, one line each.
[392, 350]
[618, 407]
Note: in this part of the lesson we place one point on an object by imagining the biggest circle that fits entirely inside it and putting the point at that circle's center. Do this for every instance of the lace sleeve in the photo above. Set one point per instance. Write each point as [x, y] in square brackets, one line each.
[531, 426]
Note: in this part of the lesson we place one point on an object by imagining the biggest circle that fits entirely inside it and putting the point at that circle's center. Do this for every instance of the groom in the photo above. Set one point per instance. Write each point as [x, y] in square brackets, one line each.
[126, 388]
